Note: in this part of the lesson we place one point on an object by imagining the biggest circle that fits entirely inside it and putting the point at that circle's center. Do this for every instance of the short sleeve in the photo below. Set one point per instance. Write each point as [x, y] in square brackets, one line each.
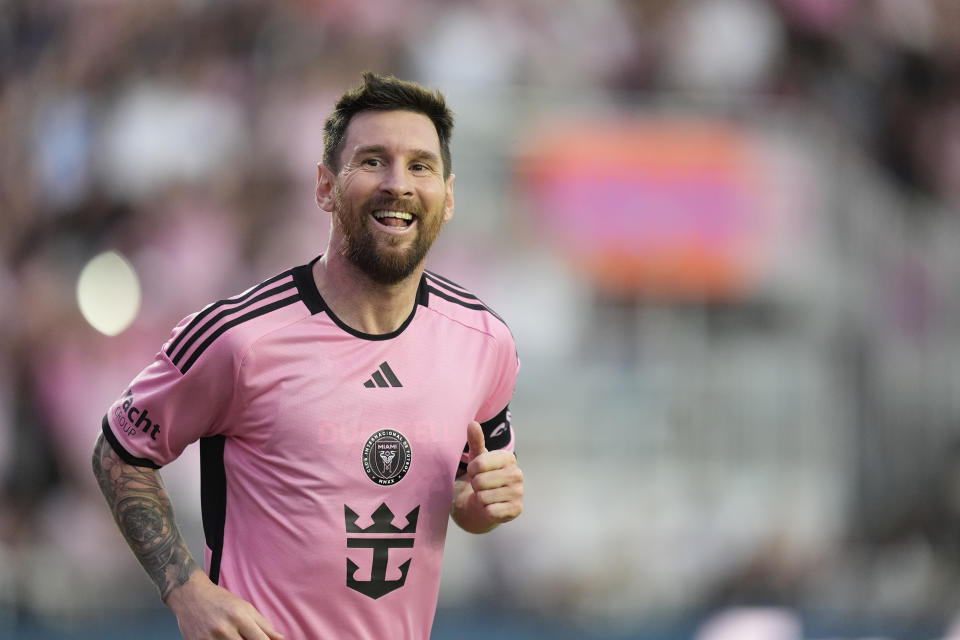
[494, 414]
[504, 377]
[166, 407]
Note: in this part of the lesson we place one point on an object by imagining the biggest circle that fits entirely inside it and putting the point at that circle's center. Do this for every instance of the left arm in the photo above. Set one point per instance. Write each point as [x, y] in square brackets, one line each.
[490, 492]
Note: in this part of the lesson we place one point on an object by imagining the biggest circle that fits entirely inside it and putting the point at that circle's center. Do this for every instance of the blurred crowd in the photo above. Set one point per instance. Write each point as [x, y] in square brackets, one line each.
[185, 134]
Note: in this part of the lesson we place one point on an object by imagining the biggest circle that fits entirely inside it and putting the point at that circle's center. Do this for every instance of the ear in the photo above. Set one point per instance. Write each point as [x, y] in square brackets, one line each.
[448, 206]
[325, 179]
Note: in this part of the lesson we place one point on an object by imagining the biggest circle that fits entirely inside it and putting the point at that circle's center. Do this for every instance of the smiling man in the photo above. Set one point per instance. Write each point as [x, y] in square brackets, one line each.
[391, 196]
[345, 409]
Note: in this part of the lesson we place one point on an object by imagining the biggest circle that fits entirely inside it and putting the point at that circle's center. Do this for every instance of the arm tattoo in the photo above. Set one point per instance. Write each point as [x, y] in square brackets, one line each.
[142, 509]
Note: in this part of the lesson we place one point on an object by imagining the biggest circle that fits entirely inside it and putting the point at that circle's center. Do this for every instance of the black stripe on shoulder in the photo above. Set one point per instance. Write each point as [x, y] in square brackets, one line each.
[463, 303]
[476, 306]
[449, 285]
[127, 457]
[259, 311]
[228, 312]
[221, 303]
[471, 301]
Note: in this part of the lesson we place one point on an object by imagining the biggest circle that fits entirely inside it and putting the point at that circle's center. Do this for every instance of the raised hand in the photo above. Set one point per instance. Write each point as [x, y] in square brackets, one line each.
[491, 491]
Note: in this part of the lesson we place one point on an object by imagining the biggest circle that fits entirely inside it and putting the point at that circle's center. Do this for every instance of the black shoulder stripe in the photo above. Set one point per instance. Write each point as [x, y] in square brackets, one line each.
[228, 312]
[227, 301]
[469, 305]
[477, 306]
[447, 280]
[127, 457]
[459, 290]
[449, 285]
[259, 311]
[470, 301]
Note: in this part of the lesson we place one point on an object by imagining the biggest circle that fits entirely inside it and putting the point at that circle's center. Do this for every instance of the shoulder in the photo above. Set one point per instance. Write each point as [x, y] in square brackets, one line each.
[228, 326]
[459, 304]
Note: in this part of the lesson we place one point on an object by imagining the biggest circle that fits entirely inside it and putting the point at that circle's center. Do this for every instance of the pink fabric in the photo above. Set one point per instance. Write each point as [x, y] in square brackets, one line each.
[287, 390]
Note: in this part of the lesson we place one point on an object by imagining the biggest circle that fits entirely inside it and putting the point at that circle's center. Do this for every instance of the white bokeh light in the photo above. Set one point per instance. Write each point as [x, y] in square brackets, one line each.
[108, 293]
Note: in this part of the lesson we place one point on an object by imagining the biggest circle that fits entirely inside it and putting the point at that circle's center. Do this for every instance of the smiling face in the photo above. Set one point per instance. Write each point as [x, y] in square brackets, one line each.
[389, 200]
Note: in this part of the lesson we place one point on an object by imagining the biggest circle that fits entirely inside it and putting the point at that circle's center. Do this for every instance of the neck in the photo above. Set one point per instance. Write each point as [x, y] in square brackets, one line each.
[364, 305]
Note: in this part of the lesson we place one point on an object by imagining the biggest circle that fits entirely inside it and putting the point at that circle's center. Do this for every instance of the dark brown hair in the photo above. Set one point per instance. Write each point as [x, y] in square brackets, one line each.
[386, 93]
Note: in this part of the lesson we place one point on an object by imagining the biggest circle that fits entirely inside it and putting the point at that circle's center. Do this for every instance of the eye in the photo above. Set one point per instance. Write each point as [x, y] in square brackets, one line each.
[419, 166]
[371, 162]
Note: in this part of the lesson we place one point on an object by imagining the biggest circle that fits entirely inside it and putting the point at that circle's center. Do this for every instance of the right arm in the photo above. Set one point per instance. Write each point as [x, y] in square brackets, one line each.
[144, 514]
[142, 510]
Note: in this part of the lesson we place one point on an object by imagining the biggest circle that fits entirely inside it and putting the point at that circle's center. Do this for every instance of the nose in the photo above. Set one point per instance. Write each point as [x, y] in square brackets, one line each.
[396, 182]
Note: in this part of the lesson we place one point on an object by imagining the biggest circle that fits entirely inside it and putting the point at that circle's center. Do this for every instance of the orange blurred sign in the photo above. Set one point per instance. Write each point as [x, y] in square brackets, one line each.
[660, 208]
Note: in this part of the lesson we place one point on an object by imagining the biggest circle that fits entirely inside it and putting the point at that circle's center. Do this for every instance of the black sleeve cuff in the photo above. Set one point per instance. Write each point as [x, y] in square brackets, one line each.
[123, 453]
[496, 431]
[497, 434]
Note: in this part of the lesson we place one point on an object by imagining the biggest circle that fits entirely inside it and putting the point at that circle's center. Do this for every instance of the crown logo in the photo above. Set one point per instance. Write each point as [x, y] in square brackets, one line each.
[382, 520]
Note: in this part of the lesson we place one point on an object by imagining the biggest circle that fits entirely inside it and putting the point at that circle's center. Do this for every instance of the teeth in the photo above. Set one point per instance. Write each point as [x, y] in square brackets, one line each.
[403, 215]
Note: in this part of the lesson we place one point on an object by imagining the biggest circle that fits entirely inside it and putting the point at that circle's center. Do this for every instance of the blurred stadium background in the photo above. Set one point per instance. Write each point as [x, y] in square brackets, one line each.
[724, 232]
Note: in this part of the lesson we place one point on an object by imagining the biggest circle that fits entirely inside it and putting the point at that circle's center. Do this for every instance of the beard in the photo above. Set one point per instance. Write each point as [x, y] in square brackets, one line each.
[381, 257]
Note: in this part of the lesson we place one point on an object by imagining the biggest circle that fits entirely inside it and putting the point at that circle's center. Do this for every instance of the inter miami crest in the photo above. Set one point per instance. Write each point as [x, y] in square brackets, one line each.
[386, 457]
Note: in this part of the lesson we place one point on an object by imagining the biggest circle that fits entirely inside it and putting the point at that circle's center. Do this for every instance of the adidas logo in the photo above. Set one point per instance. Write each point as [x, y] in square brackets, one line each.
[383, 377]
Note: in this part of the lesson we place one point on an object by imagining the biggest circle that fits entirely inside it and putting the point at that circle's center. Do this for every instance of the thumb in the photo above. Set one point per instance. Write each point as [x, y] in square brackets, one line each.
[475, 440]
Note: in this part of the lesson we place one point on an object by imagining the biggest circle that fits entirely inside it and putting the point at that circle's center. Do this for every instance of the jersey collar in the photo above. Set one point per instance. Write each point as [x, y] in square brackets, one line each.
[303, 278]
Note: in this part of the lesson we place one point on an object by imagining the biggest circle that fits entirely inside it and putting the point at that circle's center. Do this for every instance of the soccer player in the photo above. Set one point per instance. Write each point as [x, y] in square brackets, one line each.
[344, 408]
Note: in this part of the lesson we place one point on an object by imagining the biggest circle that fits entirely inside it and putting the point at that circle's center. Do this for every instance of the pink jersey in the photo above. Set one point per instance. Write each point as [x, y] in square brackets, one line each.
[328, 455]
